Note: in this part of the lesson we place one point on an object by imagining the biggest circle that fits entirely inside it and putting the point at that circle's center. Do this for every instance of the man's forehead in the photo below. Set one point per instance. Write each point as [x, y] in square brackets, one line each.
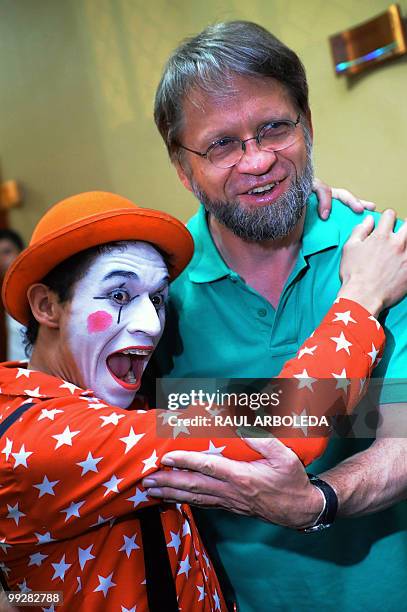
[241, 93]
[203, 97]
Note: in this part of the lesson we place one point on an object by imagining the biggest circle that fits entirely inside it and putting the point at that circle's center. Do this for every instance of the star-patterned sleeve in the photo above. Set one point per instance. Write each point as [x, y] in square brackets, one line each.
[346, 347]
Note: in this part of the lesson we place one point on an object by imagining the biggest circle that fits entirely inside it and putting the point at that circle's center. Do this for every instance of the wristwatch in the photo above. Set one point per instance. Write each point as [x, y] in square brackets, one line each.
[328, 513]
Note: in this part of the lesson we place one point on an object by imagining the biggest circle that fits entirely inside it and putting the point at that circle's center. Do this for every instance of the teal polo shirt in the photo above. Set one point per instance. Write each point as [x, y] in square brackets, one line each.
[218, 326]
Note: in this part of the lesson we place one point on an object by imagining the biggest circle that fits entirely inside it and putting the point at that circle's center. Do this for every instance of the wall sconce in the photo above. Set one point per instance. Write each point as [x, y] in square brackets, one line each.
[370, 43]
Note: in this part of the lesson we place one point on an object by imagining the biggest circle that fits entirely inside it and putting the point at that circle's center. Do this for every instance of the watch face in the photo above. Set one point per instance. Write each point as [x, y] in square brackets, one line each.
[316, 528]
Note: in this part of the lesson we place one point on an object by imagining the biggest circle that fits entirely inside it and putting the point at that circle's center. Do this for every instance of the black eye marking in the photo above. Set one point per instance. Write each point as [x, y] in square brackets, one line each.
[111, 296]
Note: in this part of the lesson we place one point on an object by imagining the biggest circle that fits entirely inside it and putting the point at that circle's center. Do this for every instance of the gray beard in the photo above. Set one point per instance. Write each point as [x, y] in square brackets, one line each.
[267, 222]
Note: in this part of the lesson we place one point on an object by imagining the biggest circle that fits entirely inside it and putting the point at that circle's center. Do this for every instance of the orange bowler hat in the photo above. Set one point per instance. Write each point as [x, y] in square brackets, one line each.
[86, 220]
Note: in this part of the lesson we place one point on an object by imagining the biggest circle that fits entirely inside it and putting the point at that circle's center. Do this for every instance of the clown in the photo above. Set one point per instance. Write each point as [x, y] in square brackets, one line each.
[91, 288]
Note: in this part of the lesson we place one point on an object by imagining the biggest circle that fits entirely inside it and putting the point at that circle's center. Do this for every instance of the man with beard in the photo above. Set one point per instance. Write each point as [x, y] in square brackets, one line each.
[232, 107]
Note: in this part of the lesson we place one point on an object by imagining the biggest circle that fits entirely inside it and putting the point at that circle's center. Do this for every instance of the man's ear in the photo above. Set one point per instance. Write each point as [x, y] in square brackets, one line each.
[309, 120]
[183, 177]
[44, 305]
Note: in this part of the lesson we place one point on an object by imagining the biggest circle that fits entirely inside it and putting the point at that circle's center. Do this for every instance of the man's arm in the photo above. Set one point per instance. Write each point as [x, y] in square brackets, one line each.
[376, 478]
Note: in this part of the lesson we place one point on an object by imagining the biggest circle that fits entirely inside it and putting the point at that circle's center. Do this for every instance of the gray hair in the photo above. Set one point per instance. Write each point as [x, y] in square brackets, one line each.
[208, 60]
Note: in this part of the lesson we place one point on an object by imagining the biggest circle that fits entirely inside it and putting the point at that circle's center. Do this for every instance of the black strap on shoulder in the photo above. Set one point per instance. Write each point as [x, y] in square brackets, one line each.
[3, 582]
[4, 425]
[160, 583]
[13, 417]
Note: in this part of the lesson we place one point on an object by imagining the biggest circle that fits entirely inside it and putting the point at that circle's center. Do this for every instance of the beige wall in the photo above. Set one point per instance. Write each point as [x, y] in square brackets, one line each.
[78, 80]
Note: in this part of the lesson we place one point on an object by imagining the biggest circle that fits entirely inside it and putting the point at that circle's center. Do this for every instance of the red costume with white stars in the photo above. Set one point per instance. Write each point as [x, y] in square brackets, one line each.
[70, 472]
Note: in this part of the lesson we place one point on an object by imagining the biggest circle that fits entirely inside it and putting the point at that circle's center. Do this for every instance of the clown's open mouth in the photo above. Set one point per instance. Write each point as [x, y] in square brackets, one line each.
[127, 366]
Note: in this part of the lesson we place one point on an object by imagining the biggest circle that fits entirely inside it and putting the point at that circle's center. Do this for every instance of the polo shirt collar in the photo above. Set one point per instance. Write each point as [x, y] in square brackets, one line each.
[318, 235]
[207, 264]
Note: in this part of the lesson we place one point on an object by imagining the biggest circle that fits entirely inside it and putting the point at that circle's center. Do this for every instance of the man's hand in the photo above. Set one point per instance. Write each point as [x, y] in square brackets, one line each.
[275, 488]
[326, 193]
[374, 263]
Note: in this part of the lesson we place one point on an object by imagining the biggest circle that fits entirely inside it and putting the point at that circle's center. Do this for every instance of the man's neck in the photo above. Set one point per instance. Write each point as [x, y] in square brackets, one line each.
[265, 265]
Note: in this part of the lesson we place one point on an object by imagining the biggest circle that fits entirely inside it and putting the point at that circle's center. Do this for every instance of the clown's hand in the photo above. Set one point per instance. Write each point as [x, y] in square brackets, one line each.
[325, 194]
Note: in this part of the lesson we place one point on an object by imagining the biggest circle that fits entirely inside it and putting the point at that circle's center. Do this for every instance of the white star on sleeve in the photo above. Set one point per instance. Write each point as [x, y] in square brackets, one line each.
[343, 382]
[214, 450]
[23, 372]
[151, 462]
[48, 414]
[133, 609]
[4, 546]
[373, 353]
[65, 437]
[60, 569]
[73, 510]
[46, 487]
[375, 321]
[307, 351]
[8, 448]
[90, 464]
[179, 426]
[70, 386]
[202, 593]
[112, 419]
[14, 513]
[216, 600]
[175, 541]
[33, 392]
[304, 428]
[112, 485]
[102, 520]
[205, 556]
[186, 529]
[184, 567]
[44, 538]
[23, 587]
[95, 405]
[215, 410]
[342, 343]
[85, 555]
[105, 584]
[37, 559]
[345, 317]
[131, 440]
[305, 380]
[165, 415]
[21, 457]
[138, 498]
[129, 545]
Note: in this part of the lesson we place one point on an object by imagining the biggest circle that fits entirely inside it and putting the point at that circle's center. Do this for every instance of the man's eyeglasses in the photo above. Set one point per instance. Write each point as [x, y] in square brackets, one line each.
[273, 136]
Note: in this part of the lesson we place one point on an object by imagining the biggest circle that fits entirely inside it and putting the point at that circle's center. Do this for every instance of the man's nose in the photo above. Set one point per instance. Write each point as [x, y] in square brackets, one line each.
[144, 318]
[254, 159]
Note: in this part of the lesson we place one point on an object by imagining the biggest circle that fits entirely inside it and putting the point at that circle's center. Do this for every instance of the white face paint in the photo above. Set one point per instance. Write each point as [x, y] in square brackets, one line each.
[116, 319]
